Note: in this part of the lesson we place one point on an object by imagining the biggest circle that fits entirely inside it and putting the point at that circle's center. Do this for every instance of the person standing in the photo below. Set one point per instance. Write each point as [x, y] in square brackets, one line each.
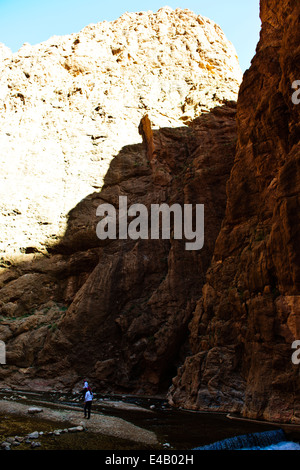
[88, 403]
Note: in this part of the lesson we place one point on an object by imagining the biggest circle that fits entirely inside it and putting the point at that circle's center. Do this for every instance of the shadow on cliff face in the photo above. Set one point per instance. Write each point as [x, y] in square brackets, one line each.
[118, 311]
[248, 317]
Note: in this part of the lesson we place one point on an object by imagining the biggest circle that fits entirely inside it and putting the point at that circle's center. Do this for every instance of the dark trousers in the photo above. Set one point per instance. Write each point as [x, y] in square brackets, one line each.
[87, 409]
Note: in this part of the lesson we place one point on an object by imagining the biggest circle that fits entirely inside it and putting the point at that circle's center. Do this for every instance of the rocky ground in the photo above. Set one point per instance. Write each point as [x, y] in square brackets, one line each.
[62, 420]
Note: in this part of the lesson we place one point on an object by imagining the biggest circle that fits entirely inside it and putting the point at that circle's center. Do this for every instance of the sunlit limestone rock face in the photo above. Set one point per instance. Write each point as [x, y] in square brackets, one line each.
[68, 105]
[5, 53]
[143, 107]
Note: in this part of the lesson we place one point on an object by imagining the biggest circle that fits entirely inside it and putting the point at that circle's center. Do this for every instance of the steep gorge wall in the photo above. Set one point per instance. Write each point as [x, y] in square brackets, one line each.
[117, 310]
[249, 314]
[120, 312]
[70, 104]
[75, 135]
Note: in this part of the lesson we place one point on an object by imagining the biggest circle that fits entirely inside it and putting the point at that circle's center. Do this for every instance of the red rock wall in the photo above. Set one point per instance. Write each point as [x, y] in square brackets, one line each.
[128, 323]
[129, 301]
[69, 304]
[249, 315]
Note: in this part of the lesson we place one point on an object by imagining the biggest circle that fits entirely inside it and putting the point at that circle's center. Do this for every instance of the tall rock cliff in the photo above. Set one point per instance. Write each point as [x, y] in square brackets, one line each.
[140, 107]
[70, 104]
[249, 314]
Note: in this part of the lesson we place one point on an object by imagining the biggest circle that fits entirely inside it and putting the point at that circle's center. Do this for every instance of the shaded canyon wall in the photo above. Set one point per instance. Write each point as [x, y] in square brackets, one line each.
[140, 107]
[132, 314]
[249, 314]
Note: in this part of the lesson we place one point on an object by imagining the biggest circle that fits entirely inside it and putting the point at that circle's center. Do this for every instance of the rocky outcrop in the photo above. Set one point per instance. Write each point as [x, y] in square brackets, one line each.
[118, 310]
[249, 314]
[70, 104]
[141, 107]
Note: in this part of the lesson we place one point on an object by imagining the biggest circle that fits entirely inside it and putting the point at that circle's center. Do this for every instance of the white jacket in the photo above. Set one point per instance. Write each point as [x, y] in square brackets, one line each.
[88, 396]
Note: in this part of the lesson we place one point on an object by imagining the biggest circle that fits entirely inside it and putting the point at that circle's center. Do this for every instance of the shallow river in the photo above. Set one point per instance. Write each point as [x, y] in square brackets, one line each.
[176, 429]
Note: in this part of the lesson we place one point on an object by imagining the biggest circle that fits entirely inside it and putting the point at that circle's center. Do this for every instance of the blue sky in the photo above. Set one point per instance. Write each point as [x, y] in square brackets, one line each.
[35, 21]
